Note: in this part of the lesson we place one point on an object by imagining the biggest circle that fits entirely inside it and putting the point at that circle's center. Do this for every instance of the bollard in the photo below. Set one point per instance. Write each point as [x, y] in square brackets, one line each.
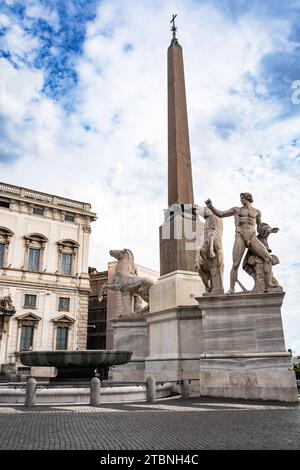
[185, 389]
[95, 392]
[151, 389]
[30, 395]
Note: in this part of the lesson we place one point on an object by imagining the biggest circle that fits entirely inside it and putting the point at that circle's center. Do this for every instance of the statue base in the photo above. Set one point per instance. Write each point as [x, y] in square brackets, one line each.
[249, 376]
[243, 348]
[175, 337]
[229, 346]
[130, 334]
[176, 289]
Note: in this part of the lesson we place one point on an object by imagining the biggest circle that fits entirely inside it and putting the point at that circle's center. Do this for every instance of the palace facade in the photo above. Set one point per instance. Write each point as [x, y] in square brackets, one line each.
[44, 249]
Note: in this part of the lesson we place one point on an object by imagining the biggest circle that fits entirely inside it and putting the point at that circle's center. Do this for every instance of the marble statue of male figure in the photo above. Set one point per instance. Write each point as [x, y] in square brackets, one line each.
[246, 219]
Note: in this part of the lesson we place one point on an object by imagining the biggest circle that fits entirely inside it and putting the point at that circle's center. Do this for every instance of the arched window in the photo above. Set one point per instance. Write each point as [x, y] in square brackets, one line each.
[67, 257]
[34, 252]
[5, 236]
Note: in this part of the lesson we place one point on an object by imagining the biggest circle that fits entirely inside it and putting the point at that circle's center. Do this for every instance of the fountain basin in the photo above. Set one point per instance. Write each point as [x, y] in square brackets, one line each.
[89, 358]
[75, 364]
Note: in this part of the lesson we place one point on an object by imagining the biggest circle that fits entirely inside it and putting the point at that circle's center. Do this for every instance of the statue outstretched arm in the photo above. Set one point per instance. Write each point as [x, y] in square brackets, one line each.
[218, 213]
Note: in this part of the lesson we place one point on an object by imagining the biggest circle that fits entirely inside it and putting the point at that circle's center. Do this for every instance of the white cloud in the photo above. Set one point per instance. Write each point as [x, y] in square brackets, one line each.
[36, 10]
[4, 21]
[21, 86]
[19, 43]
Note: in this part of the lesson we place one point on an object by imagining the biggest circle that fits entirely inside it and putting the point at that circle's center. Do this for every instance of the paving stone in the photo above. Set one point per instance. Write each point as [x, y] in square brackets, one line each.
[197, 423]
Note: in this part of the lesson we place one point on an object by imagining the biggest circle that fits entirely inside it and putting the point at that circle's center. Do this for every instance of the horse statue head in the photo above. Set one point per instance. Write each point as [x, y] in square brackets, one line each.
[125, 263]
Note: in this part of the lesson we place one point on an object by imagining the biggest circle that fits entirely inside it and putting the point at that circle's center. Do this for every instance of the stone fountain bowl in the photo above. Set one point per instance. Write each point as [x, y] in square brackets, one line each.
[77, 359]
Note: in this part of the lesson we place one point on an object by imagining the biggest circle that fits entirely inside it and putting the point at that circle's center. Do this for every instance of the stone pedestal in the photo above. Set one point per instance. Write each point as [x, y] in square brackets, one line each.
[175, 339]
[176, 289]
[43, 372]
[131, 334]
[127, 303]
[174, 322]
[243, 350]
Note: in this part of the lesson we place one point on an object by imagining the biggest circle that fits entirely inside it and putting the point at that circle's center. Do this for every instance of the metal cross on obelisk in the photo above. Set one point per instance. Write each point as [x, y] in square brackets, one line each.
[174, 29]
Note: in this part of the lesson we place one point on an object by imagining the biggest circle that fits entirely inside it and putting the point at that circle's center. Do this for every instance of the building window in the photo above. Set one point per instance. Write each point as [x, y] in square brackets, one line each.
[38, 211]
[34, 259]
[67, 257]
[62, 333]
[26, 341]
[69, 218]
[62, 327]
[2, 252]
[5, 236]
[30, 300]
[34, 252]
[66, 264]
[64, 304]
[27, 324]
[4, 203]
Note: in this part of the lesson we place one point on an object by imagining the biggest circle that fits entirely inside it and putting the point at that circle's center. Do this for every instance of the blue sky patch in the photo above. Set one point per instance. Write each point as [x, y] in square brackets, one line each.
[225, 128]
[58, 49]
[144, 150]
[128, 48]
[7, 157]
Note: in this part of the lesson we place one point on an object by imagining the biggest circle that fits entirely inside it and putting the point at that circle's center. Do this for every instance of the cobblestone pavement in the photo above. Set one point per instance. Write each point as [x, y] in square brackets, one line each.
[170, 424]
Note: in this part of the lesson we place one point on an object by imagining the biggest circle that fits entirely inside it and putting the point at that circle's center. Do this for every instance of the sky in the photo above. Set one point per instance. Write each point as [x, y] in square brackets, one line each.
[83, 114]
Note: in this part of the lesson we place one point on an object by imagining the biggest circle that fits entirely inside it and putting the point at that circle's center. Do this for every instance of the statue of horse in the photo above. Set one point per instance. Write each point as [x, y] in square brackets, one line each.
[209, 261]
[126, 279]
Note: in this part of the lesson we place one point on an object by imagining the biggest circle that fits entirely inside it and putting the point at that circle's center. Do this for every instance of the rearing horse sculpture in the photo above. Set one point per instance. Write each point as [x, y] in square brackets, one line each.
[126, 279]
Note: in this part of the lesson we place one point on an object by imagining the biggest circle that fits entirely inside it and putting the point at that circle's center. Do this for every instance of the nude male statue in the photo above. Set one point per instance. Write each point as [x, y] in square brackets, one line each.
[246, 218]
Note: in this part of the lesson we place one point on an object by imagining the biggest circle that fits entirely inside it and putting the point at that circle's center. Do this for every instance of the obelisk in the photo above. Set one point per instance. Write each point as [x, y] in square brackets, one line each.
[174, 318]
[180, 183]
[176, 251]
[181, 233]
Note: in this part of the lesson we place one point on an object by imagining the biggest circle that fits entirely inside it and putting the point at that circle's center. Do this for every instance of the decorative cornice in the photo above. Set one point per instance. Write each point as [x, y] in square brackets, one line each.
[63, 319]
[28, 317]
[68, 242]
[30, 196]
